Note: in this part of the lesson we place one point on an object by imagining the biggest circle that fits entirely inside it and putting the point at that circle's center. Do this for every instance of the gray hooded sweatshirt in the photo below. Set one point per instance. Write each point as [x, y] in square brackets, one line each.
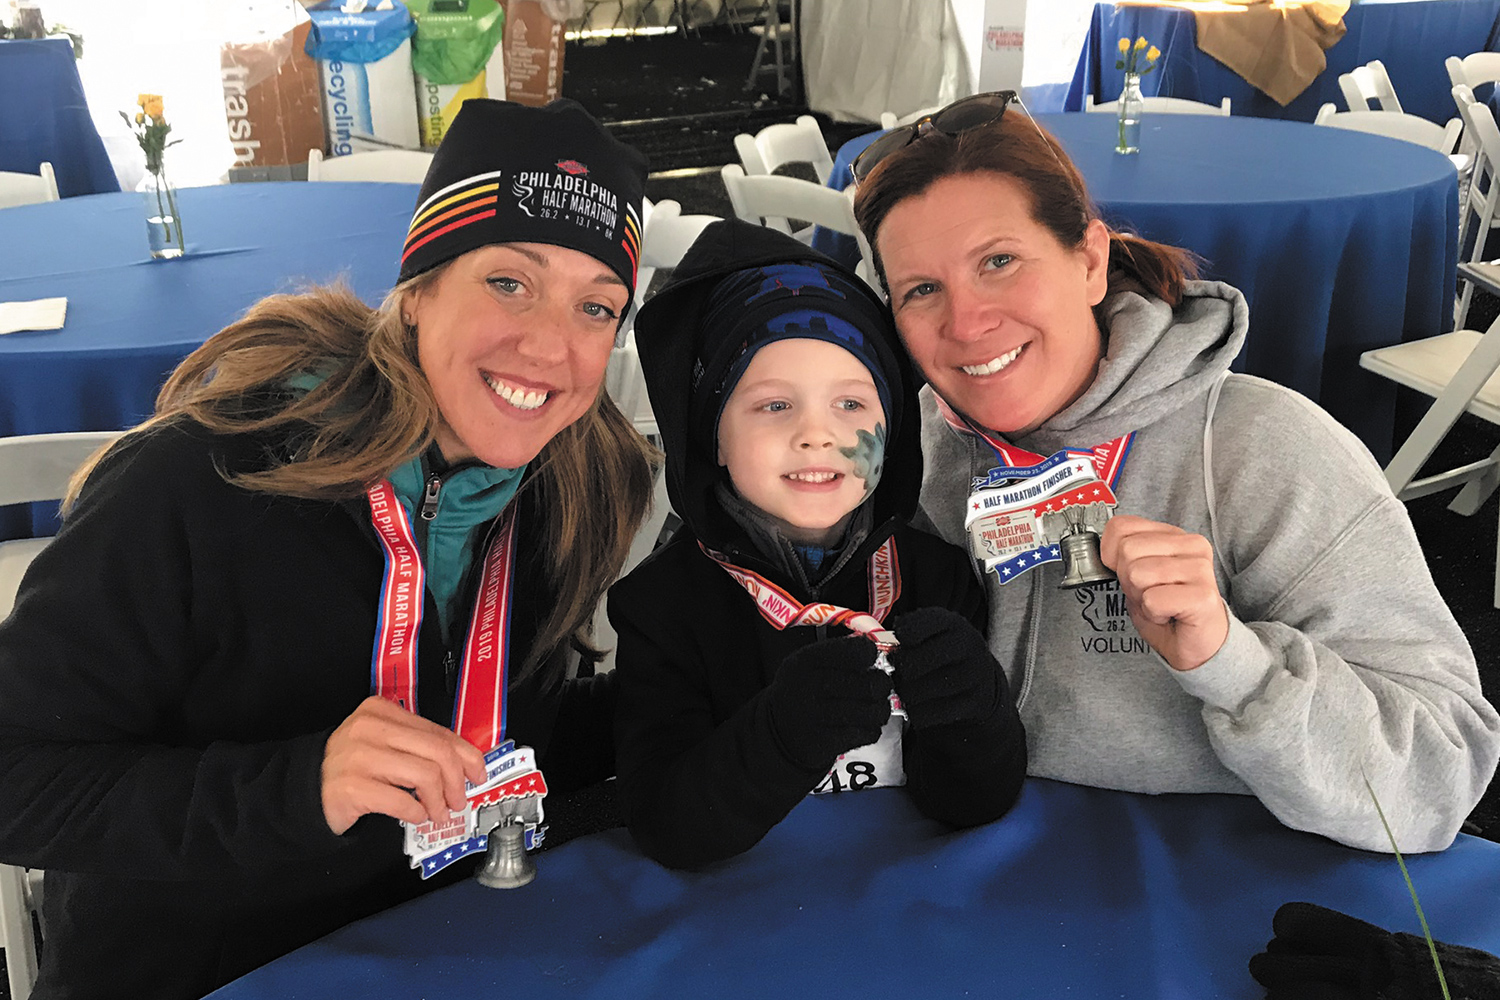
[1342, 661]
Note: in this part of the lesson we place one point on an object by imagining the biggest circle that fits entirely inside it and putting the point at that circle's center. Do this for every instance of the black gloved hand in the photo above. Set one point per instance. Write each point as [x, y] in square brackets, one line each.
[945, 674]
[1328, 955]
[828, 698]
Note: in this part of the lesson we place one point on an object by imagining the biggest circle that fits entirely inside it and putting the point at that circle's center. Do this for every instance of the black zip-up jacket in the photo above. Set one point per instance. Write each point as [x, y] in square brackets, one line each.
[174, 665]
[702, 775]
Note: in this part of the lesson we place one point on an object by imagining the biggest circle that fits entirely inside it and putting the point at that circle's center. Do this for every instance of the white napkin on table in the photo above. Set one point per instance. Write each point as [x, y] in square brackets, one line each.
[37, 314]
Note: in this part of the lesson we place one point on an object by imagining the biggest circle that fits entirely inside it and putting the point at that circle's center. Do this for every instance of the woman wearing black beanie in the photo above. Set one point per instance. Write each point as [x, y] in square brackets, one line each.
[350, 554]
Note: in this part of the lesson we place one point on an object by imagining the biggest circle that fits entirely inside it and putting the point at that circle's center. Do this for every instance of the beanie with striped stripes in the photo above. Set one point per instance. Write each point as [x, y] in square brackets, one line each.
[509, 173]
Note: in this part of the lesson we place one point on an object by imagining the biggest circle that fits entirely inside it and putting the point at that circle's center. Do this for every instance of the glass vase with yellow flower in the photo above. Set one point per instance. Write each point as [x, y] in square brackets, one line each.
[163, 220]
[1136, 60]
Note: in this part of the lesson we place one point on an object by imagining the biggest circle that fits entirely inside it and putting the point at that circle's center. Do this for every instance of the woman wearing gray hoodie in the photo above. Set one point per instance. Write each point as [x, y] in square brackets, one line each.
[1274, 629]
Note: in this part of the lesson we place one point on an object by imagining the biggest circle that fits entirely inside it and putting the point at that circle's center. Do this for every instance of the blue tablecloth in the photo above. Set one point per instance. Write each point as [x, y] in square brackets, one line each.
[130, 319]
[1412, 38]
[1341, 241]
[45, 117]
[1077, 893]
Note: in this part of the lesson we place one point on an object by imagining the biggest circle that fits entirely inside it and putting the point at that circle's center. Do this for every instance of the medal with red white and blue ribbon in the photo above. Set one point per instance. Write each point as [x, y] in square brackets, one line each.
[479, 714]
[781, 609]
[1017, 514]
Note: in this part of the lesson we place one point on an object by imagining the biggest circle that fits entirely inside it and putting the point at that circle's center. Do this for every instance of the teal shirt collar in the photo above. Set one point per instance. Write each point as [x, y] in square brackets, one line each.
[470, 497]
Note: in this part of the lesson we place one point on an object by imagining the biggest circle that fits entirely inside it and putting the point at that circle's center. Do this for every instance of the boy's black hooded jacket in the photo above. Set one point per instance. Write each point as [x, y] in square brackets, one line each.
[702, 774]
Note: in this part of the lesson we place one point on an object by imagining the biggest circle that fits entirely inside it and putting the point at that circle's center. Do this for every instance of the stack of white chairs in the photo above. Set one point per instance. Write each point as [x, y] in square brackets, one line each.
[1165, 105]
[33, 469]
[1368, 83]
[1472, 72]
[28, 189]
[770, 200]
[1457, 369]
[392, 166]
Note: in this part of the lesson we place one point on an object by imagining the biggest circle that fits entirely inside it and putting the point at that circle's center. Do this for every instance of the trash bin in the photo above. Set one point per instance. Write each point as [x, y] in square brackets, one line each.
[455, 55]
[364, 56]
[533, 51]
[271, 93]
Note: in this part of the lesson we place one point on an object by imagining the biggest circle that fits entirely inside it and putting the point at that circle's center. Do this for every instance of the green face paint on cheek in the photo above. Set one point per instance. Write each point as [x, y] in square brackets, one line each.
[868, 456]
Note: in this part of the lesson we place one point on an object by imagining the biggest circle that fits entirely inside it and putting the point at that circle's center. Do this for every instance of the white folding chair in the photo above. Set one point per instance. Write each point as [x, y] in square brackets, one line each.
[1479, 196]
[33, 468]
[889, 119]
[780, 31]
[1395, 125]
[393, 166]
[1165, 106]
[641, 546]
[16, 934]
[28, 189]
[775, 146]
[1457, 369]
[1473, 71]
[665, 238]
[1367, 83]
[36, 468]
[769, 200]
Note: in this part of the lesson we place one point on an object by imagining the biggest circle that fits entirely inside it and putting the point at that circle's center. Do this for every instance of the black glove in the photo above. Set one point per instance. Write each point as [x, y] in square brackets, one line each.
[828, 698]
[1324, 954]
[945, 674]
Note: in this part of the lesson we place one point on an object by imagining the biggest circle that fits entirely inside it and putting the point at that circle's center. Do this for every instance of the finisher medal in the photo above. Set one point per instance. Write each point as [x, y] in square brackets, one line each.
[513, 788]
[1031, 510]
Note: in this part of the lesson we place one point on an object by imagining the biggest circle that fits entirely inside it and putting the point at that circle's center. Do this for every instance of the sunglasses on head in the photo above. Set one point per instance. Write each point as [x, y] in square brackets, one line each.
[957, 118]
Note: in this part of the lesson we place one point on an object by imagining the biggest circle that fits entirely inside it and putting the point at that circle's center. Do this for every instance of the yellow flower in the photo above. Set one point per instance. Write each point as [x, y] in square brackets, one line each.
[1124, 45]
[140, 118]
[1152, 54]
[1140, 43]
[153, 107]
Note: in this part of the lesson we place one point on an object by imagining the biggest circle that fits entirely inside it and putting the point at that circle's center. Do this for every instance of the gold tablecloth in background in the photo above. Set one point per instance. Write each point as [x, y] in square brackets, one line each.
[1276, 45]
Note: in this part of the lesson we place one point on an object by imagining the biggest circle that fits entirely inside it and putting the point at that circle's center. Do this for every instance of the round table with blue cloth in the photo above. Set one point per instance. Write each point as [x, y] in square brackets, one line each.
[1411, 37]
[45, 117]
[130, 319]
[1341, 241]
[1078, 892]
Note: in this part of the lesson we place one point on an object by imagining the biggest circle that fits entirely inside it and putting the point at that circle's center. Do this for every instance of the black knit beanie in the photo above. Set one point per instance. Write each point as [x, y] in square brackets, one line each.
[508, 173]
[752, 308]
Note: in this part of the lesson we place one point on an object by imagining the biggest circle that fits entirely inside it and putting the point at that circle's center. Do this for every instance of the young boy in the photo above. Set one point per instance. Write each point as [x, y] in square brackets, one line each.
[789, 416]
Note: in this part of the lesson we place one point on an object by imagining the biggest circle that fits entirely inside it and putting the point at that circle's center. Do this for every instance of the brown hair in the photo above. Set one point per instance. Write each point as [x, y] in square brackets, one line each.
[1015, 146]
[371, 410]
